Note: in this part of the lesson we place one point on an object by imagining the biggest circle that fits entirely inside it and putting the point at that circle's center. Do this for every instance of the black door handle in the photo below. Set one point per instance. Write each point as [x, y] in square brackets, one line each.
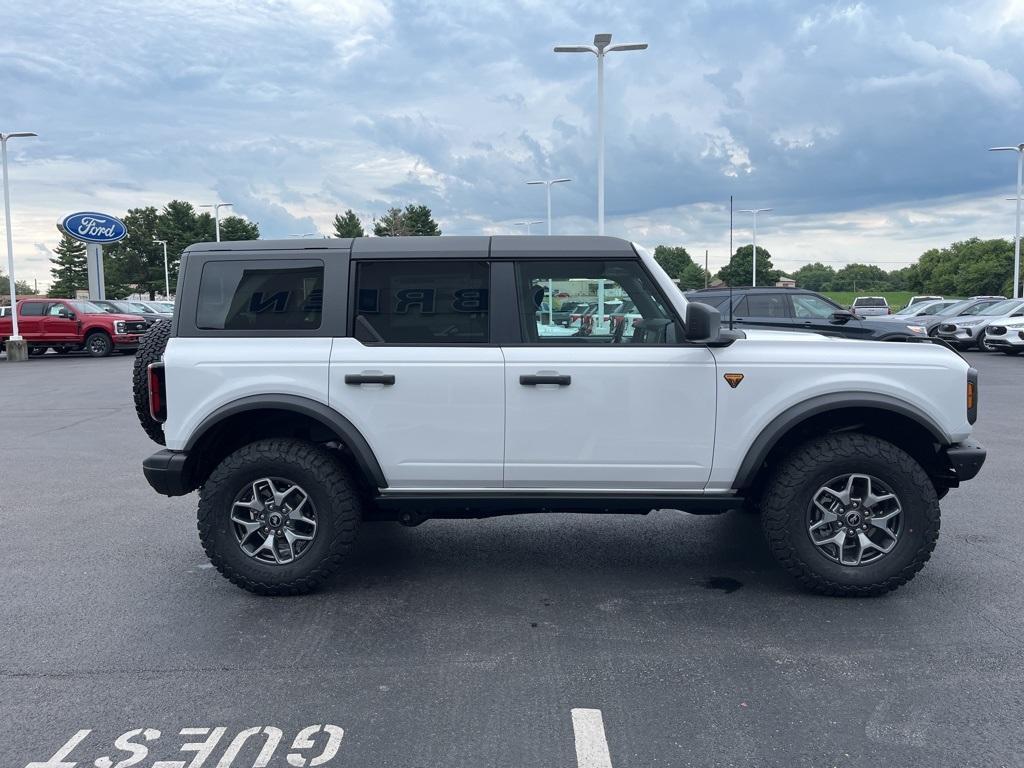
[387, 379]
[534, 380]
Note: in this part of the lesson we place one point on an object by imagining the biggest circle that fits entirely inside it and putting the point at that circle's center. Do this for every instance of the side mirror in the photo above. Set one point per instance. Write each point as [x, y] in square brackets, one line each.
[842, 316]
[703, 323]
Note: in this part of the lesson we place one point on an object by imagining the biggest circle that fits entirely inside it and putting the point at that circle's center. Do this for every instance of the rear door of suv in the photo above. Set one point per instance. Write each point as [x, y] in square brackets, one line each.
[417, 372]
[764, 309]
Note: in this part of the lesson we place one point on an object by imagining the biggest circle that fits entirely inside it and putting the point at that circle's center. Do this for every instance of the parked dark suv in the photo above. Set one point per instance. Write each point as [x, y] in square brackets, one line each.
[795, 309]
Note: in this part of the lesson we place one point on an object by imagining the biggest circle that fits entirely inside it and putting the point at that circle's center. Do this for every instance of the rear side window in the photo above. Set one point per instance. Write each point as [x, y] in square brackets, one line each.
[32, 309]
[253, 296]
[422, 302]
[767, 305]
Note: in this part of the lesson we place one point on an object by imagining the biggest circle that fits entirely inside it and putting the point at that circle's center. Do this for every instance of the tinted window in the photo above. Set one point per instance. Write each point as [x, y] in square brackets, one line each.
[32, 309]
[422, 302]
[869, 302]
[712, 301]
[644, 318]
[243, 296]
[806, 306]
[767, 305]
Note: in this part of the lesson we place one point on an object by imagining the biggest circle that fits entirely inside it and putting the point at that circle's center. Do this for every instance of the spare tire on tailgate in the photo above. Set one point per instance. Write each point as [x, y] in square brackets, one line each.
[151, 350]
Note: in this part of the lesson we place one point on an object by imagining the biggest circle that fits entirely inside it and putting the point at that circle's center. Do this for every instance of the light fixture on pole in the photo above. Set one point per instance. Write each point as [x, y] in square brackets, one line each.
[753, 261]
[15, 336]
[528, 224]
[547, 188]
[1019, 149]
[216, 214]
[167, 278]
[602, 45]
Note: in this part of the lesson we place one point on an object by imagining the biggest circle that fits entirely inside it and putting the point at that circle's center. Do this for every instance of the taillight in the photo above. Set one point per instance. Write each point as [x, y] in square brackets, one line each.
[157, 392]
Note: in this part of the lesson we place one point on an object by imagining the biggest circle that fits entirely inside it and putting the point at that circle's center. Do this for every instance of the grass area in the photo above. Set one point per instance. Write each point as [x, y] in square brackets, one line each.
[896, 299]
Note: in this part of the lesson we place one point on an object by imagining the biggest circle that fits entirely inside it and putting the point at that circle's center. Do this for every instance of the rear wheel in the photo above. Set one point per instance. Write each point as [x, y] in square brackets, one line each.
[279, 516]
[98, 344]
[851, 514]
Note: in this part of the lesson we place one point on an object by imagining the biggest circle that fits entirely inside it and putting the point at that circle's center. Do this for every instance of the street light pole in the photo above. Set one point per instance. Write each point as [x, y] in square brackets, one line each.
[602, 45]
[1019, 149]
[167, 278]
[547, 186]
[528, 224]
[216, 214]
[15, 336]
[753, 261]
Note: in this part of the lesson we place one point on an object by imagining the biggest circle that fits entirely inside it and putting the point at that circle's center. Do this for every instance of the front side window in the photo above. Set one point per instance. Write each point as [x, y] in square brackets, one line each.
[256, 296]
[633, 311]
[422, 302]
[812, 307]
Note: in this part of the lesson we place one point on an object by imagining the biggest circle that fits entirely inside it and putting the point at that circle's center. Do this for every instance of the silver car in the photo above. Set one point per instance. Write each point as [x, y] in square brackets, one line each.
[968, 331]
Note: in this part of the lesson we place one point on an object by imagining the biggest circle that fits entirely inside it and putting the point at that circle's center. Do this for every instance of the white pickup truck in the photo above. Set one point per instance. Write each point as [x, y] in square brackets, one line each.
[304, 388]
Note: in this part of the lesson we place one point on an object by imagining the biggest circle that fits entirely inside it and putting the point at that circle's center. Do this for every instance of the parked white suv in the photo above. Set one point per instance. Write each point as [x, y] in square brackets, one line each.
[1006, 336]
[307, 387]
[868, 306]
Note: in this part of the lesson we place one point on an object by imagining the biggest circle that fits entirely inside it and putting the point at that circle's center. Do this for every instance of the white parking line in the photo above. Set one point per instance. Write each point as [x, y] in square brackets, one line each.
[591, 744]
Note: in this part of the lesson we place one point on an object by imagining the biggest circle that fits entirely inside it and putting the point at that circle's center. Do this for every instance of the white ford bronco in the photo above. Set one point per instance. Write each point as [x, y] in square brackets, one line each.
[304, 388]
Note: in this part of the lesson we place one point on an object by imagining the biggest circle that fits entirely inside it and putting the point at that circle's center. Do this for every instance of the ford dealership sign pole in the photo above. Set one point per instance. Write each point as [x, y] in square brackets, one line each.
[95, 230]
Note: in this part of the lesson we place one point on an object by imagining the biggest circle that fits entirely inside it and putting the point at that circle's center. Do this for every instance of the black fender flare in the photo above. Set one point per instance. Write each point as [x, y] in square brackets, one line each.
[353, 439]
[778, 427]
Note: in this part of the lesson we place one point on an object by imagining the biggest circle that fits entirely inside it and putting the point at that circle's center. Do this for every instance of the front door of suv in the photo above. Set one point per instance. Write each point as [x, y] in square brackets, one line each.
[418, 375]
[607, 406]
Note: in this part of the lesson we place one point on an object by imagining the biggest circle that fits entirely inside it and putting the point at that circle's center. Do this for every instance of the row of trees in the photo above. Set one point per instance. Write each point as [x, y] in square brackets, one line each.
[964, 268]
[136, 264]
[412, 221]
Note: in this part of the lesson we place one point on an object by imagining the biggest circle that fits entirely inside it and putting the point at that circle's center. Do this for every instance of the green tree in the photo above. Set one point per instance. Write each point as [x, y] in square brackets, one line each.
[70, 270]
[815, 276]
[861, 277]
[967, 268]
[679, 266]
[906, 279]
[21, 288]
[237, 228]
[348, 225]
[414, 220]
[136, 263]
[737, 272]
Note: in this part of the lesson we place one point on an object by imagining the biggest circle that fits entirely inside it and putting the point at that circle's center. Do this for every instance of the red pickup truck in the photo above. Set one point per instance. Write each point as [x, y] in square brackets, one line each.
[69, 324]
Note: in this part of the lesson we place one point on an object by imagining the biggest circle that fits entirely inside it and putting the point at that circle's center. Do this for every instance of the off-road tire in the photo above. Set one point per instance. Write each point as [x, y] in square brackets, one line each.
[332, 490]
[151, 350]
[98, 344]
[788, 494]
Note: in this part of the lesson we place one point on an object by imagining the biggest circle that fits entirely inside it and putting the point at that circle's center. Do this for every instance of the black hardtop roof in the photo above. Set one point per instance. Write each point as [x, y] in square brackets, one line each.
[445, 246]
[735, 288]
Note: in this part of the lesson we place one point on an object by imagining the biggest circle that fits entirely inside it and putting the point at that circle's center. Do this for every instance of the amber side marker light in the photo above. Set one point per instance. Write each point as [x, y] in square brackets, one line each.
[970, 395]
[734, 379]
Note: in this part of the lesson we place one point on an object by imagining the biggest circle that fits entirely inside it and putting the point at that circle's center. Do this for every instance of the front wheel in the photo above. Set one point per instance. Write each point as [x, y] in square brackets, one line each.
[98, 344]
[851, 514]
[279, 516]
[983, 343]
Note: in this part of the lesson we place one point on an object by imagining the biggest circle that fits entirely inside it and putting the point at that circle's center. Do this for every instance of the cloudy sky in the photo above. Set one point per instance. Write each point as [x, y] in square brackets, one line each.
[863, 124]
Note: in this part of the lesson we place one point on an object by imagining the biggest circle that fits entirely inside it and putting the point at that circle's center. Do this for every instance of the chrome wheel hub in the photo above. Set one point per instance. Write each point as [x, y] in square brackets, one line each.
[274, 520]
[854, 519]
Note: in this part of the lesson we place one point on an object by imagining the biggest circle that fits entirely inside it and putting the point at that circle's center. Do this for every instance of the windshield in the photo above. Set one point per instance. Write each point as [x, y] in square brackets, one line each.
[88, 308]
[136, 307]
[921, 308]
[1001, 308]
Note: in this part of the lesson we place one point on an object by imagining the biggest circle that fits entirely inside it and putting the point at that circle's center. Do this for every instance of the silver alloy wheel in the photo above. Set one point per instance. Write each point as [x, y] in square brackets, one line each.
[854, 519]
[274, 520]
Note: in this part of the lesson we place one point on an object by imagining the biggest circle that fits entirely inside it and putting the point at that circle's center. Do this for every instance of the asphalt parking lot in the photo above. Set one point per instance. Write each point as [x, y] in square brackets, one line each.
[469, 643]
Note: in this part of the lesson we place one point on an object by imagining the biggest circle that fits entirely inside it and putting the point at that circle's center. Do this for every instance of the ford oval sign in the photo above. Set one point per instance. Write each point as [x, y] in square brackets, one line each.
[91, 227]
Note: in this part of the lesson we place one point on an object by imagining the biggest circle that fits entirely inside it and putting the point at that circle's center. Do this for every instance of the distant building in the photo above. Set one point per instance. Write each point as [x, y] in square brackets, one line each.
[785, 281]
